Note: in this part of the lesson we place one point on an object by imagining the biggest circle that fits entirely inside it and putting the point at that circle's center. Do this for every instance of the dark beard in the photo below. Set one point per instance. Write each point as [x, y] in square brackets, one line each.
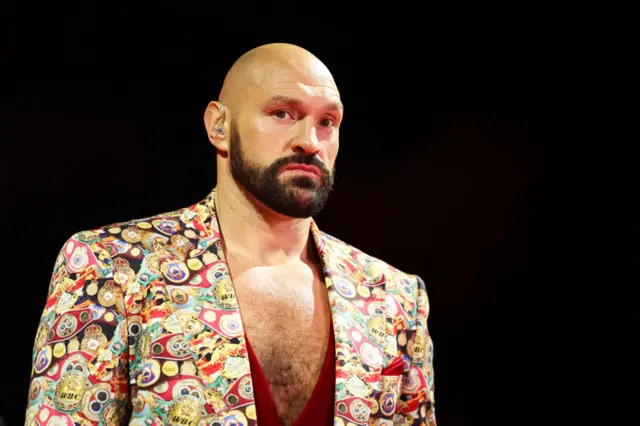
[265, 185]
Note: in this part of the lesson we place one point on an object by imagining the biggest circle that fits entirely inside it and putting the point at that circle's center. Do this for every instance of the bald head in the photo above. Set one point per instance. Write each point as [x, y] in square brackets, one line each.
[275, 62]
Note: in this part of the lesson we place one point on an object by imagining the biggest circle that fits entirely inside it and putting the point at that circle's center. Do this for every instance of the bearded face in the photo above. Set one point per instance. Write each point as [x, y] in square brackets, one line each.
[291, 193]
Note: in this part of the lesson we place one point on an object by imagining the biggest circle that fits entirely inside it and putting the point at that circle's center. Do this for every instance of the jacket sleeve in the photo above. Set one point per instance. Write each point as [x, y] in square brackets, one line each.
[79, 361]
[417, 392]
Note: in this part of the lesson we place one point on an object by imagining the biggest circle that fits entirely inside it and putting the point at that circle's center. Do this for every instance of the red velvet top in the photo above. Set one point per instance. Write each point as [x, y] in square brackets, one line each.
[319, 409]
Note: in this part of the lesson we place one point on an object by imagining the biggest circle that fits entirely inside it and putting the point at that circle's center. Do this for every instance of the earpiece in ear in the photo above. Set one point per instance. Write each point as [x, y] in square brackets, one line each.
[220, 130]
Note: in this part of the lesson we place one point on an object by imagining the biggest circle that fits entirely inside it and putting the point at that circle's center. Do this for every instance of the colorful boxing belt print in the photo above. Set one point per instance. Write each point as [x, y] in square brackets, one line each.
[142, 326]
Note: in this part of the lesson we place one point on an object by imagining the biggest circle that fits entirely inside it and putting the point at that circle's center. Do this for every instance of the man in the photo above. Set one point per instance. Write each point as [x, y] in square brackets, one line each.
[238, 310]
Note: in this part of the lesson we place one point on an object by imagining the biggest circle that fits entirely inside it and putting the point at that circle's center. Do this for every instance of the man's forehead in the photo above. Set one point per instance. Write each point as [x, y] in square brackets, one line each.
[313, 100]
[280, 84]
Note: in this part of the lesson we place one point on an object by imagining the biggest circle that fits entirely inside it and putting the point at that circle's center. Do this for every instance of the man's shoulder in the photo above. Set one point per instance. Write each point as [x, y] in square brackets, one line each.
[405, 292]
[149, 221]
[157, 221]
[370, 264]
[103, 237]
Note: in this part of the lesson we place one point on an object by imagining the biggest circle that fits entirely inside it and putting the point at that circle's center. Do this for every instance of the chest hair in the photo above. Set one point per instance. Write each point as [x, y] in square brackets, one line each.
[286, 317]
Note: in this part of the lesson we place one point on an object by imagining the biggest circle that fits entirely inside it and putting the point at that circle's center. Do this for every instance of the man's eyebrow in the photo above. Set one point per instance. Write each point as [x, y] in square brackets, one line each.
[280, 99]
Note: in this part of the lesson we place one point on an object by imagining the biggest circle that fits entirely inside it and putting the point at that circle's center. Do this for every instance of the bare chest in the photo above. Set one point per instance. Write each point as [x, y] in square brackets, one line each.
[285, 313]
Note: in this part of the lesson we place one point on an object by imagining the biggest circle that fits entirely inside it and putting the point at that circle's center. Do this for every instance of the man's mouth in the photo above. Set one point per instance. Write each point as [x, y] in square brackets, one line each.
[303, 169]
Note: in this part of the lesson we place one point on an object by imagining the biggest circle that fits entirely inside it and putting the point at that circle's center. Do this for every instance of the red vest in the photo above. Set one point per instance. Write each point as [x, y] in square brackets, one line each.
[319, 409]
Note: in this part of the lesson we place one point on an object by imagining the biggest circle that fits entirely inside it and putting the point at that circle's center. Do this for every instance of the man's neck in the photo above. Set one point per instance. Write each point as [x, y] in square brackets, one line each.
[255, 235]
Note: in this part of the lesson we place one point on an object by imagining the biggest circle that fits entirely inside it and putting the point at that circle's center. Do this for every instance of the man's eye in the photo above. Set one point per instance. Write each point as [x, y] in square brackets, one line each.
[282, 114]
[326, 122]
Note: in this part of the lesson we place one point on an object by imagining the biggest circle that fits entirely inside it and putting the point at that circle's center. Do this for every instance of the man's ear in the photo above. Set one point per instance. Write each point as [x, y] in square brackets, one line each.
[217, 126]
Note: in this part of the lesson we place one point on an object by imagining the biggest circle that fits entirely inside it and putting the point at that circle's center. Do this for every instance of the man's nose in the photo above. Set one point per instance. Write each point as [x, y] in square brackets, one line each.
[307, 142]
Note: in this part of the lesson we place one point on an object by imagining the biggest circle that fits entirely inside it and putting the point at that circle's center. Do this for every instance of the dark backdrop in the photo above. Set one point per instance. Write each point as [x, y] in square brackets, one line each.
[442, 172]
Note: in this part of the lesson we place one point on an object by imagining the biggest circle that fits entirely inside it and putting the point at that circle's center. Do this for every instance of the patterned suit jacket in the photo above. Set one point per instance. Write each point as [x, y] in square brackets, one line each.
[141, 326]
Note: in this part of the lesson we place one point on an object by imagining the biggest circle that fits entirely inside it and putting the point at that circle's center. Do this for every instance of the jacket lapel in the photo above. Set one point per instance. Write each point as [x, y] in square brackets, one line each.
[214, 331]
[357, 303]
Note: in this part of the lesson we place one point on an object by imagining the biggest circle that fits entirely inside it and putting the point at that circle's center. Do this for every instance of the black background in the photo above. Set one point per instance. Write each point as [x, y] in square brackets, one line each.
[444, 170]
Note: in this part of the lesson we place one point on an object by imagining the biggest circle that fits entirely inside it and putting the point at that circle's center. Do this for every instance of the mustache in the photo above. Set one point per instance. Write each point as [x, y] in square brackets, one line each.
[310, 160]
